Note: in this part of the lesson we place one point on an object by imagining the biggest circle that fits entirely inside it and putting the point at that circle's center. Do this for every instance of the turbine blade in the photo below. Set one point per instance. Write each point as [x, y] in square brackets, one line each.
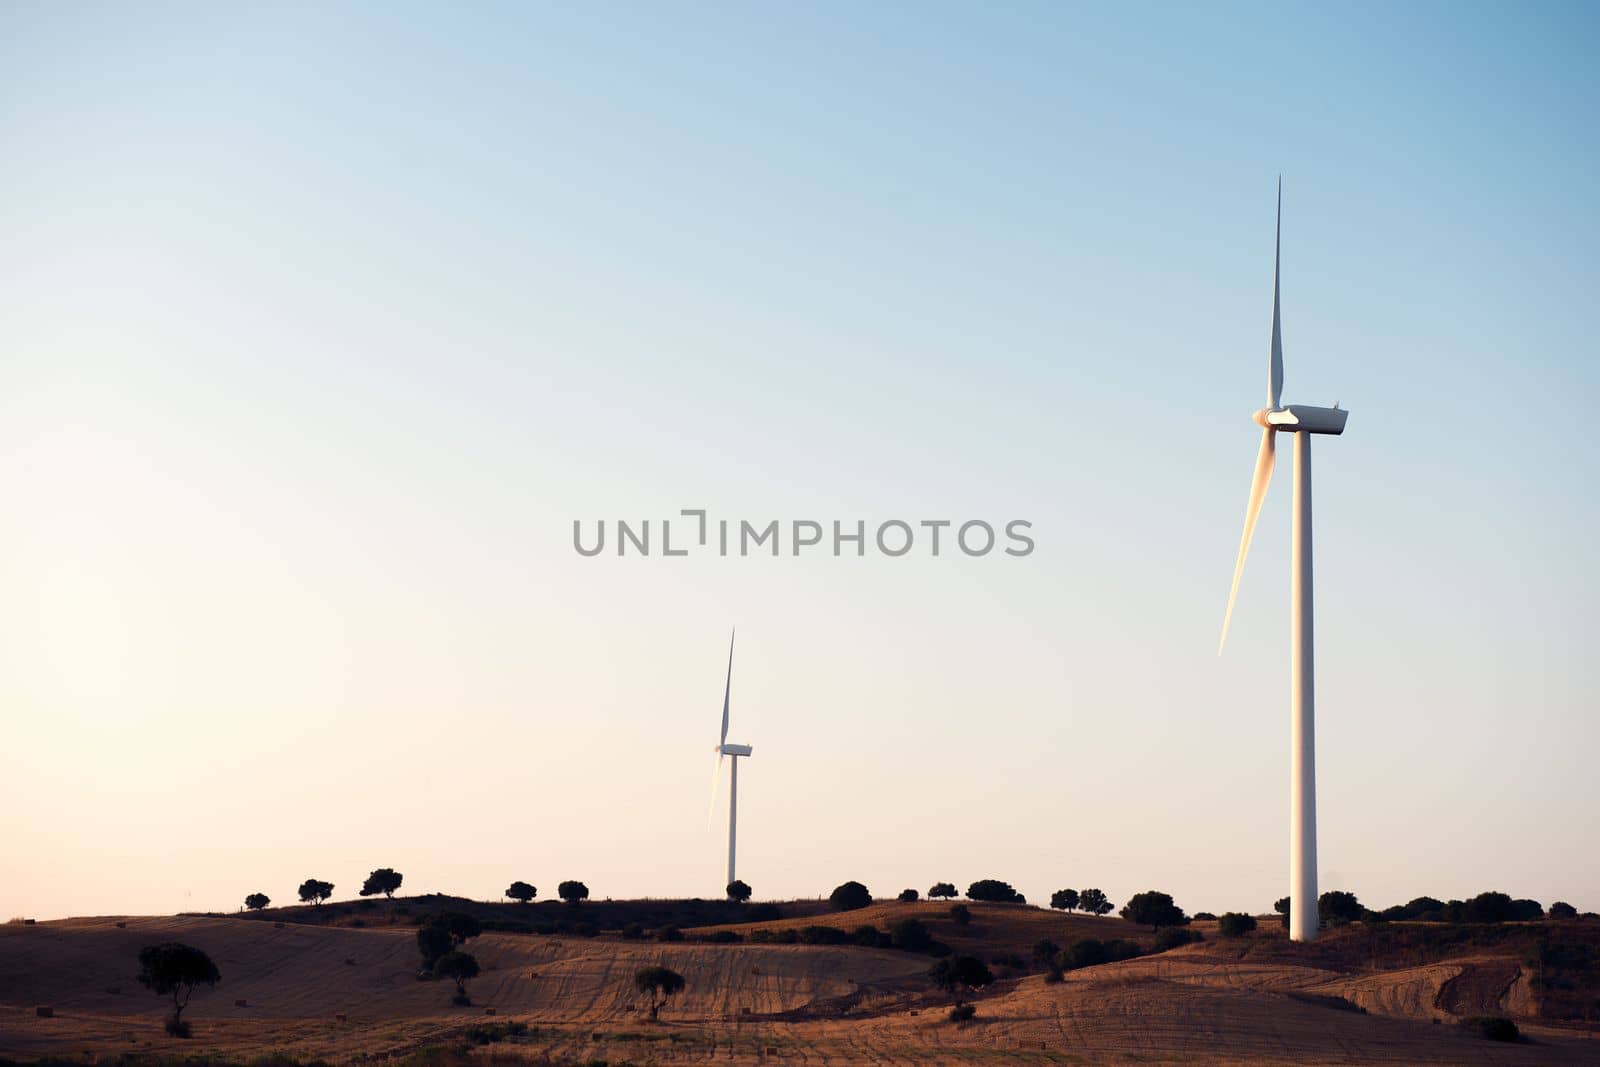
[716, 785]
[726, 692]
[1252, 511]
[1275, 375]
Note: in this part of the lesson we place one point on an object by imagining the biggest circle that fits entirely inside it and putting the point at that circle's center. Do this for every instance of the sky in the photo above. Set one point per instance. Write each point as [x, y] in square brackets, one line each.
[321, 325]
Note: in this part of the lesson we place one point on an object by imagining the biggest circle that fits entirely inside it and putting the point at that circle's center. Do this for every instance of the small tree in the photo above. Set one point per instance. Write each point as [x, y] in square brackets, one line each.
[1562, 910]
[943, 890]
[849, 896]
[1339, 907]
[573, 893]
[1154, 909]
[961, 914]
[1064, 900]
[1094, 902]
[1281, 906]
[992, 889]
[462, 928]
[384, 880]
[908, 896]
[959, 976]
[1235, 924]
[460, 966]
[1045, 953]
[174, 969]
[433, 941]
[315, 892]
[738, 891]
[521, 892]
[257, 901]
[658, 983]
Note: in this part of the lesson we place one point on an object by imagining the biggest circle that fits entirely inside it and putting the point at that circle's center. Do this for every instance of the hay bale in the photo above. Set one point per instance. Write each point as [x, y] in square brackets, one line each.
[488, 1011]
[29, 922]
[122, 926]
[770, 1050]
[45, 1011]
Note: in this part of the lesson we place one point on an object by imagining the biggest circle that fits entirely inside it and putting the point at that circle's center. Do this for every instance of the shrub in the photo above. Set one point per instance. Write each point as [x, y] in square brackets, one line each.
[1337, 907]
[384, 880]
[1093, 901]
[910, 935]
[1154, 909]
[962, 1012]
[960, 975]
[573, 892]
[1084, 952]
[1119, 948]
[1493, 1027]
[761, 913]
[257, 901]
[1526, 911]
[1562, 910]
[433, 941]
[1206, 916]
[724, 937]
[632, 932]
[521, 892]
[942, 889]
[1064, 900]
[1281, 906]
[739, 891]
[1235, 924]
[908, 896]
[1491, 907]
[850, 896]
[866, 935]
[823, 935]
[1173, 936]
[669, 932]
[1045, 953]
[587, 929]
[992, 889]
[961, 914]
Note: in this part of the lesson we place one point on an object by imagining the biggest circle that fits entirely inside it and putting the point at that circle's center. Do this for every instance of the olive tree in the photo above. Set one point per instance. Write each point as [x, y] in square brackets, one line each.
[174, 969]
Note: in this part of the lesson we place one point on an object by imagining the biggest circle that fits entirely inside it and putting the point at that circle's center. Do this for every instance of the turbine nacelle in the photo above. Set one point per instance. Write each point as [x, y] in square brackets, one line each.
[1302, 418]
[734, 750]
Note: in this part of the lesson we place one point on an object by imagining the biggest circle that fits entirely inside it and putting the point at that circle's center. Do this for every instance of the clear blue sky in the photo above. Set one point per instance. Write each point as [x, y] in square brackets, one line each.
[322, 324]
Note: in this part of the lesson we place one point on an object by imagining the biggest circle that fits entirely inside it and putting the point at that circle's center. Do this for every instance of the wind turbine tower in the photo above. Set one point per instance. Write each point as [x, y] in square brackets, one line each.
[1302, 422]
[733, 754]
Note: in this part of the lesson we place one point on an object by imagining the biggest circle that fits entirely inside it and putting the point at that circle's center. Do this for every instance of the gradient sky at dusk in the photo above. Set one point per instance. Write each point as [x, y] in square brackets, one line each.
[322, 323]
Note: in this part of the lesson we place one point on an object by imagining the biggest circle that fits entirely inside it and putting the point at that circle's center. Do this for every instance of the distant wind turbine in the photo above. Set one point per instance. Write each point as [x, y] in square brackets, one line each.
[732, 752]
[1302, 421]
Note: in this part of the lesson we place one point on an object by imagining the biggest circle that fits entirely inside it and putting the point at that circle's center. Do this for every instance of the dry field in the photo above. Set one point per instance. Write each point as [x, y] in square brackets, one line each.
[1207, 1003]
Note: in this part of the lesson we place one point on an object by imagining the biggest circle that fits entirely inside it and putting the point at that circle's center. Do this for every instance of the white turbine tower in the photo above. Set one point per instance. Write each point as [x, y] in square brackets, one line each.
[733, 752]
[1302, 421]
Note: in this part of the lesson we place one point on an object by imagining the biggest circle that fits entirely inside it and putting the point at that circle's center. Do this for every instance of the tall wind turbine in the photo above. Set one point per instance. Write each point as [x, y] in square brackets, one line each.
[1302, 421]
[732, 752]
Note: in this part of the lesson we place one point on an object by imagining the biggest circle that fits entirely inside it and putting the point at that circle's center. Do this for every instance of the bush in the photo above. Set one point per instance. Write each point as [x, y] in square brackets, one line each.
[1281, 906]
[1205, 916]
[585, 929]
[1154, 909]
[1336, 907]
[823, 935]
[850, 896]
[761, 913]
[1562, 910]
[910, 935]
[1045, 953]
[908, 896]
[962, 1012]
[669, 932]
[724, 937]
[1235, 924]
[994, 890]
[1173, 936]
[632, 932]
[1493, 1027]
[176, 1027]
[942, 889]
[1119, 948]
[1084, 952]
[866, 935]
[961, 914]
